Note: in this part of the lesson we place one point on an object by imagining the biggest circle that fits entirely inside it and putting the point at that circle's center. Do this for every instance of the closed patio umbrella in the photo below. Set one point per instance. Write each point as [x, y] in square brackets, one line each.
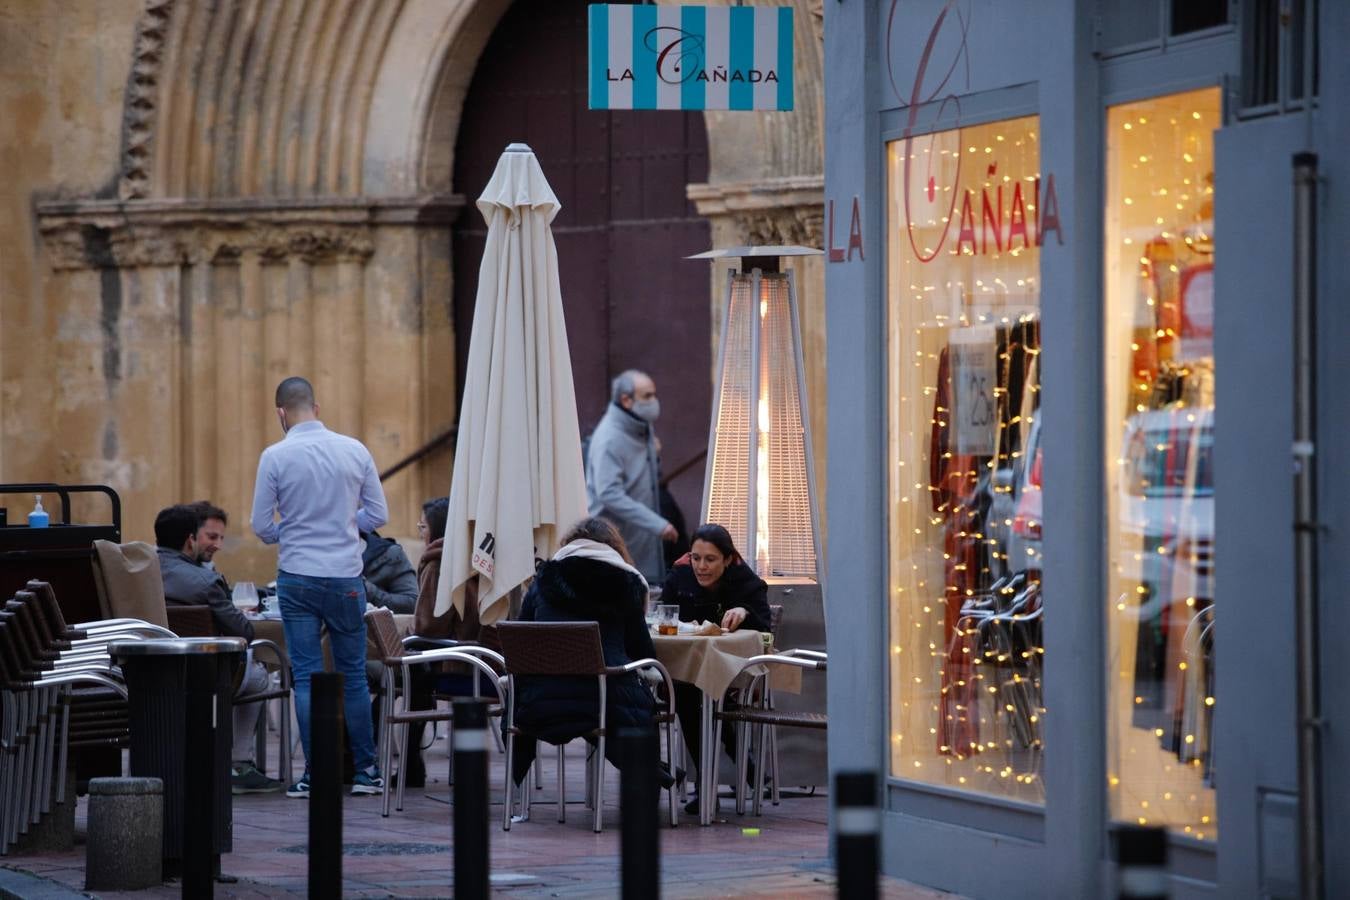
[518, 477]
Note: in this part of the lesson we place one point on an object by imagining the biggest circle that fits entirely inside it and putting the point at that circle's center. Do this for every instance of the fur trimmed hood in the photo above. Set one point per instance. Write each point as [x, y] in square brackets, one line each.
[589, 589]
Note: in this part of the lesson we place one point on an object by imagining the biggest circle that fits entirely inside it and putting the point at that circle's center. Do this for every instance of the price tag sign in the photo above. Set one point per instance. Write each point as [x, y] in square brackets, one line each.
[974, 368]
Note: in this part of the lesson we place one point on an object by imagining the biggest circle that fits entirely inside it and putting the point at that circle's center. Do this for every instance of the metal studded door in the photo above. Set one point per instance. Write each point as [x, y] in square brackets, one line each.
[630, 297]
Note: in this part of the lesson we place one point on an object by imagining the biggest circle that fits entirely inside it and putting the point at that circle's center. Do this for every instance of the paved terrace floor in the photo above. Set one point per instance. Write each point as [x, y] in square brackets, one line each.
[409, 854]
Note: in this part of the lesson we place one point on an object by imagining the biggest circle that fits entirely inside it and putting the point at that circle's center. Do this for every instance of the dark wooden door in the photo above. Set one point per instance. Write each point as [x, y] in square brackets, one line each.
[630, 298]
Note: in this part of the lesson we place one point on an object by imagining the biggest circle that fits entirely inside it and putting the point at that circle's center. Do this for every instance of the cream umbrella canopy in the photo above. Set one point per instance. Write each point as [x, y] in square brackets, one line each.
[518, 477]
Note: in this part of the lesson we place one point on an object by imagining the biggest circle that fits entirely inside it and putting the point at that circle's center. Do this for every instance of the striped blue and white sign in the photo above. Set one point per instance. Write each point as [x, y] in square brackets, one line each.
[690, 57]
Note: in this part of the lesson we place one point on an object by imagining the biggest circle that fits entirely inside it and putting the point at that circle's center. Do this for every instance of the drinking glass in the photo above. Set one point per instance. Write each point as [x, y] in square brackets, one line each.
[668, 618]
[245, 595]
[653, 607]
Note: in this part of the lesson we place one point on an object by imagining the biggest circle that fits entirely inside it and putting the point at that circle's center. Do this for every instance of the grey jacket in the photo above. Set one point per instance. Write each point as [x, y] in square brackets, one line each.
[187, 583]
[622, 485]
[390, 579]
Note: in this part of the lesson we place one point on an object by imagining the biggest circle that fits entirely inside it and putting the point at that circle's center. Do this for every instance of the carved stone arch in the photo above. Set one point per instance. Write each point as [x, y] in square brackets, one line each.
[284, 195]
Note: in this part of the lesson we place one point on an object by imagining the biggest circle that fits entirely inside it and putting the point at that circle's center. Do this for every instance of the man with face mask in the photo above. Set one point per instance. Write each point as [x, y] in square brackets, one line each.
[622, 474]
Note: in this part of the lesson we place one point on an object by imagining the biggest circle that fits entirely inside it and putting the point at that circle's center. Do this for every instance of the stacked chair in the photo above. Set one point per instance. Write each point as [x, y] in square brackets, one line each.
[43, 663]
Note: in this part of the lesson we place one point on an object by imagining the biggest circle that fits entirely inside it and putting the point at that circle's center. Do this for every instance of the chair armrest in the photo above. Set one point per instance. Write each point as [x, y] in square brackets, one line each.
[483, 653]
[121, 627]
[417, 642]
[283, 662]
[451, 654]
[648, 663]
[106, 680]
[808, 654]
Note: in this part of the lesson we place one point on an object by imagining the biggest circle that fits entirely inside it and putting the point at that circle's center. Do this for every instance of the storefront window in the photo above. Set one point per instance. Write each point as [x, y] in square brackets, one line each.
[967, 215]
[1159, 460]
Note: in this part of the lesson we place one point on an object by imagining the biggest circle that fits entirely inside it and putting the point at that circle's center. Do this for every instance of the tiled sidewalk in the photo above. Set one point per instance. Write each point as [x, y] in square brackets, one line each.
[409, 854]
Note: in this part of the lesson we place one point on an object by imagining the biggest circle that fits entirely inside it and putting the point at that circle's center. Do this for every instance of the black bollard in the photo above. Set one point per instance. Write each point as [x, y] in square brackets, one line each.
[1141, 862]
[857, 822]
[199, 788]
[471, 800]
[639, 810]
[325, 785]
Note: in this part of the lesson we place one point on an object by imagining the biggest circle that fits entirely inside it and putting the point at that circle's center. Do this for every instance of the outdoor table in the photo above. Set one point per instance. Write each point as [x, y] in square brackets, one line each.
[271, 629]
[711, 663]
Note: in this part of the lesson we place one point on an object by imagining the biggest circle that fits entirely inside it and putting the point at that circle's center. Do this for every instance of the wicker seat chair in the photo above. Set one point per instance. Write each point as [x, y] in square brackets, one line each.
[572, 648]
[755, 712]
[399, 656]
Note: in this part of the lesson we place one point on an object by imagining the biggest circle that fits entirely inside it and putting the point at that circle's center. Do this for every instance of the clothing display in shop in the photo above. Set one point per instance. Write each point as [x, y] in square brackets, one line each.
[1174, 319]
[1169, 482]
[961, 495]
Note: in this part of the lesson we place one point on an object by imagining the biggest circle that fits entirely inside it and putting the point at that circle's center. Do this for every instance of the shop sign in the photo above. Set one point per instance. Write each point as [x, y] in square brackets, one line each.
[690, 57]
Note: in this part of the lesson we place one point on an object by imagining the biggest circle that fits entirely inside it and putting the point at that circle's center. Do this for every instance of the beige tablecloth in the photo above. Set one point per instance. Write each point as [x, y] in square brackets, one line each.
[712, 663]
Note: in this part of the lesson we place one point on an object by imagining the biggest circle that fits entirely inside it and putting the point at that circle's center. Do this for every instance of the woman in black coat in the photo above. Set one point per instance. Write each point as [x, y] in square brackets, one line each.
[714, 584]
[590, 579]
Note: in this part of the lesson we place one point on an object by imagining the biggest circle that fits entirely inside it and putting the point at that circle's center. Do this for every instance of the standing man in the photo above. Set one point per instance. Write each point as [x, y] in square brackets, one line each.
[324, 489]
[188, 535]
[622, 481]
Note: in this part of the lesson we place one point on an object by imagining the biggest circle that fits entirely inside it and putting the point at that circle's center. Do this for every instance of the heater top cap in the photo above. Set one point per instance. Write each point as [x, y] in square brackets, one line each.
[760, 250]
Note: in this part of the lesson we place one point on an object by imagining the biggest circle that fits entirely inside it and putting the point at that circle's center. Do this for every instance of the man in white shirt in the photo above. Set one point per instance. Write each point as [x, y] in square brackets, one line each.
[324, 490]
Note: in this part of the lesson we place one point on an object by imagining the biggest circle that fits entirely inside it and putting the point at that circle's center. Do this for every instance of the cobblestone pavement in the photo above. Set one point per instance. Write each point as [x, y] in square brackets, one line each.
[784, 853]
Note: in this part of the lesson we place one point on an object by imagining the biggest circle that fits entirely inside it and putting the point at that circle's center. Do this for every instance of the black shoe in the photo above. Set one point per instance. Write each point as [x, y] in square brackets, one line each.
[667, 780]
[692, 806]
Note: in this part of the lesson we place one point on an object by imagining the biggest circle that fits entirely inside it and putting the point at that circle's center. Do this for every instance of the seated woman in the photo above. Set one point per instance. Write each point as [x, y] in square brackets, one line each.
[713, 583]
[590, 578]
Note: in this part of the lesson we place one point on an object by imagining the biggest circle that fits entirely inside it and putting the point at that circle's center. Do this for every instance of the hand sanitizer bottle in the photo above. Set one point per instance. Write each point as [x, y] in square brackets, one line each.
[38, 517]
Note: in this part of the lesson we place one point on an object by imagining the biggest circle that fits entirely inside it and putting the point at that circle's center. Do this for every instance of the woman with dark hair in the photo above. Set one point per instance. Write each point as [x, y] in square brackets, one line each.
[431, 527]
[713, 583]
[590, 578]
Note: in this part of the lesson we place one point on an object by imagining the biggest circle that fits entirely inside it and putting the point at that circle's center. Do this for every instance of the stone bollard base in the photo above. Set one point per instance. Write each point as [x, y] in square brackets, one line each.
[125, 844]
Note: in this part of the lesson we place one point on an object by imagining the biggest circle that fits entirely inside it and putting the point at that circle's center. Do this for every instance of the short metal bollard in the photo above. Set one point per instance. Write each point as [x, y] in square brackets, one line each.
[125, 834]
[1141, 862]
[325, 785]
[471, 800]
[857, 823]
[639, 808]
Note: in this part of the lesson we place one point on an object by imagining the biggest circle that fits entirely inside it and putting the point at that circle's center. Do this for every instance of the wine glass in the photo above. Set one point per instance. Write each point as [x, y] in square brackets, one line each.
[245, 596]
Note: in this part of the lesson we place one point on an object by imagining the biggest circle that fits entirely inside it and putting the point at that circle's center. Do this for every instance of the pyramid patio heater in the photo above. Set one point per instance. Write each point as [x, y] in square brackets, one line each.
[760, 481]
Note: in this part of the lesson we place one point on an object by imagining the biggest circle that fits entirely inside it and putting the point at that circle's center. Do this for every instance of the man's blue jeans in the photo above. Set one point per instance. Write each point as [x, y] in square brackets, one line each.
[308, 602]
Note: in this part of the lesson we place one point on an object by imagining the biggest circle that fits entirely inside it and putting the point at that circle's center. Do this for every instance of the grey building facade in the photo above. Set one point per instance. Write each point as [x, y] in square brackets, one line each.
[1060, 244]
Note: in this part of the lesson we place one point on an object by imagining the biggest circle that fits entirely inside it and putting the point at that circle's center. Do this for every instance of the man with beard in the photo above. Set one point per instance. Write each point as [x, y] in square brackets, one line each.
[188, 536]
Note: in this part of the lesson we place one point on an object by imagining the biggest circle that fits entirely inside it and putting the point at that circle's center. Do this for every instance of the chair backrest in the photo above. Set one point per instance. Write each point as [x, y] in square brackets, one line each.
[129, 582]
[775, 618]
[552, 648]
[382, 631]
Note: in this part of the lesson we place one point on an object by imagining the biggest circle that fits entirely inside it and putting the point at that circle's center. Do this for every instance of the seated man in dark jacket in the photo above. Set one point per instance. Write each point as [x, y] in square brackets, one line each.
[389, 576]
[188, 535]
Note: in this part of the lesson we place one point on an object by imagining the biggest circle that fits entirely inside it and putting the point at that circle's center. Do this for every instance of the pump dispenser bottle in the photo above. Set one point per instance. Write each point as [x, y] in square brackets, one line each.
[38, 517]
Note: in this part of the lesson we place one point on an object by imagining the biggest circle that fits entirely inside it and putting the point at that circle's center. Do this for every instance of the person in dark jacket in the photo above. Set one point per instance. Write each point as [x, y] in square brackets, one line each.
[713, 584]
[187, 536]
[591, 578]
[389, 576]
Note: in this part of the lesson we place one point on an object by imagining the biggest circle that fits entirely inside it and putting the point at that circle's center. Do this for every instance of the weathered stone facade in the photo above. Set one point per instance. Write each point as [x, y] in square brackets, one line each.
[202, 198]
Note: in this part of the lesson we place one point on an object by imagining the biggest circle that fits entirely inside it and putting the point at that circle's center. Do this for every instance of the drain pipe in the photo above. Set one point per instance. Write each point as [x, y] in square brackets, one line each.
[1308, 661]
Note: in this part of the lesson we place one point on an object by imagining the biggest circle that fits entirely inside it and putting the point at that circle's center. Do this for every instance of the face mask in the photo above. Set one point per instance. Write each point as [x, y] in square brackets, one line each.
[647, 410]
